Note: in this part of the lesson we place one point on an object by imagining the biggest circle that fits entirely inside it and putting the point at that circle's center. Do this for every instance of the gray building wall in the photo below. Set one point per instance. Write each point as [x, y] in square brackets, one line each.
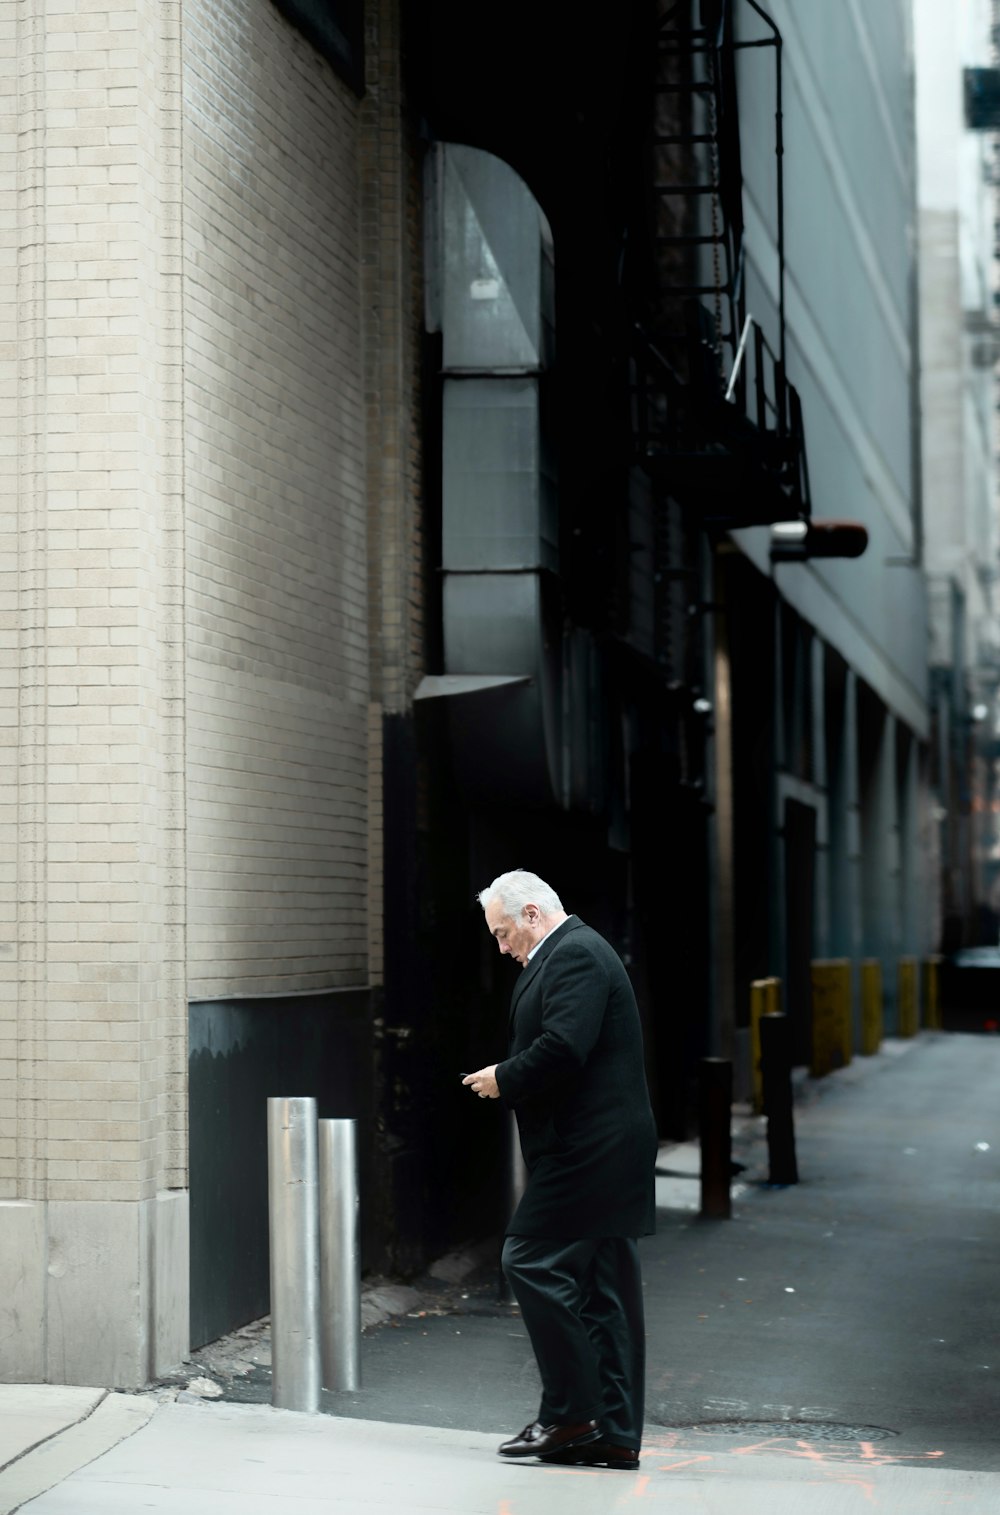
[849, 222]
[853, 354]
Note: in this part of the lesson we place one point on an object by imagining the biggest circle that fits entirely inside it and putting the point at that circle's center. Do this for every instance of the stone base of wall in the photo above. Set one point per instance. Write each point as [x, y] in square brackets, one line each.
[93, 1292]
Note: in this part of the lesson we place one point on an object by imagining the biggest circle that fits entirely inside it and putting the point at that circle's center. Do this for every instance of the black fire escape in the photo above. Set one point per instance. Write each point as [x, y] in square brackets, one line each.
[716, 423]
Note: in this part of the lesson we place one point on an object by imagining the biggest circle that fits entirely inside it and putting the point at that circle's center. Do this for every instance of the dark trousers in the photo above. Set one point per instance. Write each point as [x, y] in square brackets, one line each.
[581, 1302]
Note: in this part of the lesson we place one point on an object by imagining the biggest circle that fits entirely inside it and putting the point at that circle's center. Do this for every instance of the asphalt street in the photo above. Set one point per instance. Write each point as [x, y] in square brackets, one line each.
[831, 1349]
[858, 1309]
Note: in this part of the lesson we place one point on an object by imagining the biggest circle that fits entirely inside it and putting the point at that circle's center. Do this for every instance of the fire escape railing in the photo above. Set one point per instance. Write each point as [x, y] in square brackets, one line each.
[714, 414]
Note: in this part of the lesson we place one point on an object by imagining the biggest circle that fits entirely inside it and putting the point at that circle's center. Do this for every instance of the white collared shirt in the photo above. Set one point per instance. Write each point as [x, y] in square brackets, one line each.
[544, 939]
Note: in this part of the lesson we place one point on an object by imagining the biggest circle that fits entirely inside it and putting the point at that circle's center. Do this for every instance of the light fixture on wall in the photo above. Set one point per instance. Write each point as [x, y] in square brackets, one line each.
[798, 541]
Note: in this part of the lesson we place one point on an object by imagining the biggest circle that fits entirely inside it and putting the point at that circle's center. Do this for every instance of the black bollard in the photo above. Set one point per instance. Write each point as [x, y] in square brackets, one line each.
[776, 1073]
[715, 1115]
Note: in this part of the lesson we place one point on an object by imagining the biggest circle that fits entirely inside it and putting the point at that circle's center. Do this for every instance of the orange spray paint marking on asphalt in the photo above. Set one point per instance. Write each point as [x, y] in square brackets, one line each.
[871, 1453]
[834, 1452]
[641, 1485]
[779, 1446]
[688, 1462]
[787, 1446]
[811, 1453]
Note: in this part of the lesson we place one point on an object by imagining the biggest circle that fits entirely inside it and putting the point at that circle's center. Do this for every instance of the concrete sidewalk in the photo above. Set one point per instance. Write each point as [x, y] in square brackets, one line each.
[832, 1349]
[49, 1431]
[221, 1459]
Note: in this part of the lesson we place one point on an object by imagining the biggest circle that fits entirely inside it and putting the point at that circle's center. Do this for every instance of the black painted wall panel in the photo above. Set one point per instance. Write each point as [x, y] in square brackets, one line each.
[240, 1053]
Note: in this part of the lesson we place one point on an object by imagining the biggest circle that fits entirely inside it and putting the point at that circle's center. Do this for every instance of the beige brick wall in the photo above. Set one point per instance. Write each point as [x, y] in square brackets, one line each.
[92, 1030]
[277, 644]
[184, 403]
[208, 429]
[11, 1027]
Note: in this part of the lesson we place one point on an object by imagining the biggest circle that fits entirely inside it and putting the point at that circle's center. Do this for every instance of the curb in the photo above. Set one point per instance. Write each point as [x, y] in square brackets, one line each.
[38, 1469]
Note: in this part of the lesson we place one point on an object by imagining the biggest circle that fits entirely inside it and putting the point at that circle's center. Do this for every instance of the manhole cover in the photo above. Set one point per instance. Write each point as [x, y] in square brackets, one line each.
[798, 1430]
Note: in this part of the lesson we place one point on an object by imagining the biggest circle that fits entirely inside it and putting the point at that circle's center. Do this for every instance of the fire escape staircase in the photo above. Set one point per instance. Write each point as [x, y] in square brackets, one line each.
[715, 420]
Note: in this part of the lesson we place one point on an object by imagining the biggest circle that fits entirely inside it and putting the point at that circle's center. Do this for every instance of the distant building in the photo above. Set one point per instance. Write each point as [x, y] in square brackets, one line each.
[958, 114]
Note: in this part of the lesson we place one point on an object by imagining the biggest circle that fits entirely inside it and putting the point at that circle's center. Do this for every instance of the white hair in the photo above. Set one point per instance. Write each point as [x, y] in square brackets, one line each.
[516, 889]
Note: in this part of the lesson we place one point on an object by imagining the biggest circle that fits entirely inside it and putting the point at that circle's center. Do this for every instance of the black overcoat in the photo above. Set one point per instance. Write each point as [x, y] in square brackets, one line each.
[576, 1080]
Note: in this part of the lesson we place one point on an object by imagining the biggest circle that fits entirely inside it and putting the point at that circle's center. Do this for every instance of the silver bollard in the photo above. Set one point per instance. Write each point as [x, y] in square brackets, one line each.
[293, 1222]
[340, 1254]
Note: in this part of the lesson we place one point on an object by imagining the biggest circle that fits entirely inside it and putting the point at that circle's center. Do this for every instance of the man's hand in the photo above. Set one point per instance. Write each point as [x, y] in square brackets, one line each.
[484, 1083]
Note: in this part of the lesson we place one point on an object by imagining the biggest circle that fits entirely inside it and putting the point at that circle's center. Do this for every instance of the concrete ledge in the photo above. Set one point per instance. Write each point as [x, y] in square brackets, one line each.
[93, 1291]
[22, 1291]
[100, 1422]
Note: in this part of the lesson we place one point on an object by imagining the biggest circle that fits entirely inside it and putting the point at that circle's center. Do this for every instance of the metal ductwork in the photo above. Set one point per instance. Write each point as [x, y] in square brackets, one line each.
[490, 293]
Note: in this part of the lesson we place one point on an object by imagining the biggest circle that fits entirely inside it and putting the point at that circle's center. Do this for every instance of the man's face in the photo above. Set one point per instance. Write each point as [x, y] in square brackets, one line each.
[514, 937]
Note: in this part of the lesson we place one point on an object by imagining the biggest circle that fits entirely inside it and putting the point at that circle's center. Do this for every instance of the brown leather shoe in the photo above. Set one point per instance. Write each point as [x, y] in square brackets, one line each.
[598, 1454]
[537, 1440]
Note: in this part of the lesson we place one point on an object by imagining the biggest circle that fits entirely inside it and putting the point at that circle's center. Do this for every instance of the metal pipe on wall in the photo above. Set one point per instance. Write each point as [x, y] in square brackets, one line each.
[293, 1225]
[340, 1254]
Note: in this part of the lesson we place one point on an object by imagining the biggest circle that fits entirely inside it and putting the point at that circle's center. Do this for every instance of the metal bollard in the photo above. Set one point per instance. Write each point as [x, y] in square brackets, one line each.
[293, 1222]
[339, 1254]
[872, 1012]
[715, 1120]
[832, 1018]
[932, 993]
[776, 1063]
[907, 997]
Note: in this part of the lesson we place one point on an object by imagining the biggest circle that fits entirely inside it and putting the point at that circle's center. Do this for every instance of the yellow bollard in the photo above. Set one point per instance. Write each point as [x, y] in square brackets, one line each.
[932, 993]
[832, 1038]
[765, 999]
[871, 1006]
[908, 1015]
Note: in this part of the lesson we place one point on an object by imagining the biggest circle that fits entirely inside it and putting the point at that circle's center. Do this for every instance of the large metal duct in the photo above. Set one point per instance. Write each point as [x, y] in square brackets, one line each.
[491, 295]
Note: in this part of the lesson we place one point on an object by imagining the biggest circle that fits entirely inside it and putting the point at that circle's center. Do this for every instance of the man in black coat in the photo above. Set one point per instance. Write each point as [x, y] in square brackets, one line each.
[575, 1078]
